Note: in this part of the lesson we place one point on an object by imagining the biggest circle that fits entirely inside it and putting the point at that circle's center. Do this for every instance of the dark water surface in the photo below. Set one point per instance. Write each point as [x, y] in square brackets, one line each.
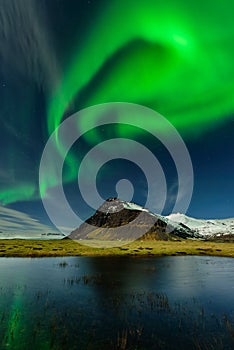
[117, 303]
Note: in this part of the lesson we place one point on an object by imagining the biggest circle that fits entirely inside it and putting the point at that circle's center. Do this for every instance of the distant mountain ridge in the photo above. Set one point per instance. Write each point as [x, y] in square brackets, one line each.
[218, 229]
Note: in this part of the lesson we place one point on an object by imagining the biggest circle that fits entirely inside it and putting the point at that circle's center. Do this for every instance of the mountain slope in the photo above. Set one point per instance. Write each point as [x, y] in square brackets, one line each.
[118, 220]
[208, 229]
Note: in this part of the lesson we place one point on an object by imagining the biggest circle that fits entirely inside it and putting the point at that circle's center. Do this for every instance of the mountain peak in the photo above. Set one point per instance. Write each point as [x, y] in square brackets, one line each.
[120, 220]
[113, 199]
[114, 204]
[111, 205]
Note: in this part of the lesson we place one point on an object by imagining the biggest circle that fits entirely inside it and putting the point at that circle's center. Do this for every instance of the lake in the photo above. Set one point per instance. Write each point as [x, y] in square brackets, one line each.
[176, 302]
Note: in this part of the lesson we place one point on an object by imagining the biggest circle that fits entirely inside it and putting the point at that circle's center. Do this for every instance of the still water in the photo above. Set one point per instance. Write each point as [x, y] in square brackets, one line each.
[117, 303]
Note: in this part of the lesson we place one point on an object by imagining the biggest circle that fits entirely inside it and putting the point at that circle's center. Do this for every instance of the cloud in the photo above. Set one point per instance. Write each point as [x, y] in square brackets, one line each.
[25, 43]
[173, 193]
[179, 193]
[13, 221]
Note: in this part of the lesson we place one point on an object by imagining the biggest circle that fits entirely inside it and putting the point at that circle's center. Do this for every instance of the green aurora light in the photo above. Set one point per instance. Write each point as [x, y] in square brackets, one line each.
[175, 57]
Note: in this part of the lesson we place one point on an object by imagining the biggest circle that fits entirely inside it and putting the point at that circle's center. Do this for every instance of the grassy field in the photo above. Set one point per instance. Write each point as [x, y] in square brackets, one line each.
[39, 248]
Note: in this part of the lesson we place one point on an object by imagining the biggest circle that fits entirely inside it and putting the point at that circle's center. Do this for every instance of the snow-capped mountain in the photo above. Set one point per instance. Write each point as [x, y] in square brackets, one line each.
[123, 221]
[117, 219]
[205, 228]
[201, 228]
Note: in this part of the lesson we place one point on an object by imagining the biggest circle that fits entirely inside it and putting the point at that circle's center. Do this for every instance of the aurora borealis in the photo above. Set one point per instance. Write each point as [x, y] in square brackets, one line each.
[163, 57]
[58, 57]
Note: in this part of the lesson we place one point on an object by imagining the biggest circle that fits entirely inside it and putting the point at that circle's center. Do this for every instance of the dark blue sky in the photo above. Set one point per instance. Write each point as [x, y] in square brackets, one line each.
[41, 44]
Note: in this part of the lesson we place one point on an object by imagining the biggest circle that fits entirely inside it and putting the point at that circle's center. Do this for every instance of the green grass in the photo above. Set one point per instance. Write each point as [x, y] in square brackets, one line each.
[36, 248]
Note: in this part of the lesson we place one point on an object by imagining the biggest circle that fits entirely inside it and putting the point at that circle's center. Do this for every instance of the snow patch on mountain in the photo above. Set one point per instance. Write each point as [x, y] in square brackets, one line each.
[210, 227]
[200, 227]
[196, 228]
[133, 206]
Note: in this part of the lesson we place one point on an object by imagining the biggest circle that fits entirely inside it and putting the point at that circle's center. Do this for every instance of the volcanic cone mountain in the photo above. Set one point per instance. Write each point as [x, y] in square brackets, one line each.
[117, 220]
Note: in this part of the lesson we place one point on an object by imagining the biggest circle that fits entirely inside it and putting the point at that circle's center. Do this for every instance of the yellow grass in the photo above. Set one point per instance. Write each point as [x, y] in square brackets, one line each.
[39, 248]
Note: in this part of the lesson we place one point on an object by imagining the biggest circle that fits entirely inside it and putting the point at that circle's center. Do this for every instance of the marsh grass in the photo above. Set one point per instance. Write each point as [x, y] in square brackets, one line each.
[34, 248]
[63, 264]
[142, 320]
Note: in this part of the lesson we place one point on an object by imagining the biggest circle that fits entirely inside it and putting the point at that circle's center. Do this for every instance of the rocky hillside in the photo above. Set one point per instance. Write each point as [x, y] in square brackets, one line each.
[120, 220]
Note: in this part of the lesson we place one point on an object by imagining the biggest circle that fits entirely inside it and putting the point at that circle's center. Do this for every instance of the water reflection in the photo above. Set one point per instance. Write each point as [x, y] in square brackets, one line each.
[117, 303]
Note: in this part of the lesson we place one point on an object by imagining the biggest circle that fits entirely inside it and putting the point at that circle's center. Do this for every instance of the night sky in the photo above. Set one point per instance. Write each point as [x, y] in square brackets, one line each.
[58, 57]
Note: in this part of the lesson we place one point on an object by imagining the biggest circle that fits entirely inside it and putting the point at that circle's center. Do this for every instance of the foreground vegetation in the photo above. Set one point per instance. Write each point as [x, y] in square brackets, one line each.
[67, 247]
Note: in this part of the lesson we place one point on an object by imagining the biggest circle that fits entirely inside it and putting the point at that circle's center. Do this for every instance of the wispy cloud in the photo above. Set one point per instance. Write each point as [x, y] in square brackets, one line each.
[13, 221]
[25, 43]
[172, 193]
[166, 199]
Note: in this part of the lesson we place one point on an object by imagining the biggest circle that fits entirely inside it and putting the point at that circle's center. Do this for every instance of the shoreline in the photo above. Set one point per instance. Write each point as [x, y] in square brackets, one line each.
[60, 248]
